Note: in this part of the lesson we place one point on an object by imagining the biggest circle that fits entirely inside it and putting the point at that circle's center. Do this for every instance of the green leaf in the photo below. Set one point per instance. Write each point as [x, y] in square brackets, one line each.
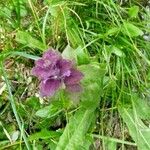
[131, 30]
[26, 39]
[15, 136]
[74, 34]
[82, 56]
[112, 31]
[90, 96]
[33, 102]
[6, 54]
[48, 111]
[93, 72]
[133, 11]
[138, 130]
[23, 54]
[117, 51]
[77, 55]
[69, 53]
[74, 135]
[142, 107]
[44, 134]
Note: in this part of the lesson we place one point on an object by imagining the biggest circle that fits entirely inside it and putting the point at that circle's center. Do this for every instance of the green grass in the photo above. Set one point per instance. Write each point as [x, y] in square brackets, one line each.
[106, 38]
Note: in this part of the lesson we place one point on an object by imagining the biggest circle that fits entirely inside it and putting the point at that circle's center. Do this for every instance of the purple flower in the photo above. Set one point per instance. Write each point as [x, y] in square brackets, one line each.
[54, 72]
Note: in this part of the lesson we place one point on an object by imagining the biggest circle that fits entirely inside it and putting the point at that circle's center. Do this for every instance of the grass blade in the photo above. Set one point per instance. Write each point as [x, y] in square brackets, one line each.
[14, 107]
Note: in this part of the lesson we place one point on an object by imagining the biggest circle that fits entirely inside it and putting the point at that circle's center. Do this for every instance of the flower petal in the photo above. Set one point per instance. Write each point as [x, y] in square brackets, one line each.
[39, 72]
[74, 77]
[44, 73]
[65, 66]
[52, 56]
[40, 62]
[74, 88]
[49, 87]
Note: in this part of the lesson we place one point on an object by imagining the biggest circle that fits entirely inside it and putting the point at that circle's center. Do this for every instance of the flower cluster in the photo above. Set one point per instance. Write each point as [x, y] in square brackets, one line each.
[55, 72]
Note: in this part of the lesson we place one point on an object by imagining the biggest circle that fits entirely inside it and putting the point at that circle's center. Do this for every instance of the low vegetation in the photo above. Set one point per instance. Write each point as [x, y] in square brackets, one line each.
[108, 42]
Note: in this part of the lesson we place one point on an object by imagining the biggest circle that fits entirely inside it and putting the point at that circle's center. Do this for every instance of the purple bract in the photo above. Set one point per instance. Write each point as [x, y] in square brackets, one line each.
[54, 72]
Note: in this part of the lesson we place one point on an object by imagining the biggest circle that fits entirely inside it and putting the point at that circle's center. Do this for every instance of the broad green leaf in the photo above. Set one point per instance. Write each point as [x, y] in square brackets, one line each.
[137, 129]
[131, 30]
[114, 50]
[90, 96]
[133, 11]
[93, 71]
[44, 134]
[6, 12]
[117, 51]
[74, 135]
[69, 53]
[142, 107]
[48, 111]
[77, 55]
[82, 56]
[26, 39]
